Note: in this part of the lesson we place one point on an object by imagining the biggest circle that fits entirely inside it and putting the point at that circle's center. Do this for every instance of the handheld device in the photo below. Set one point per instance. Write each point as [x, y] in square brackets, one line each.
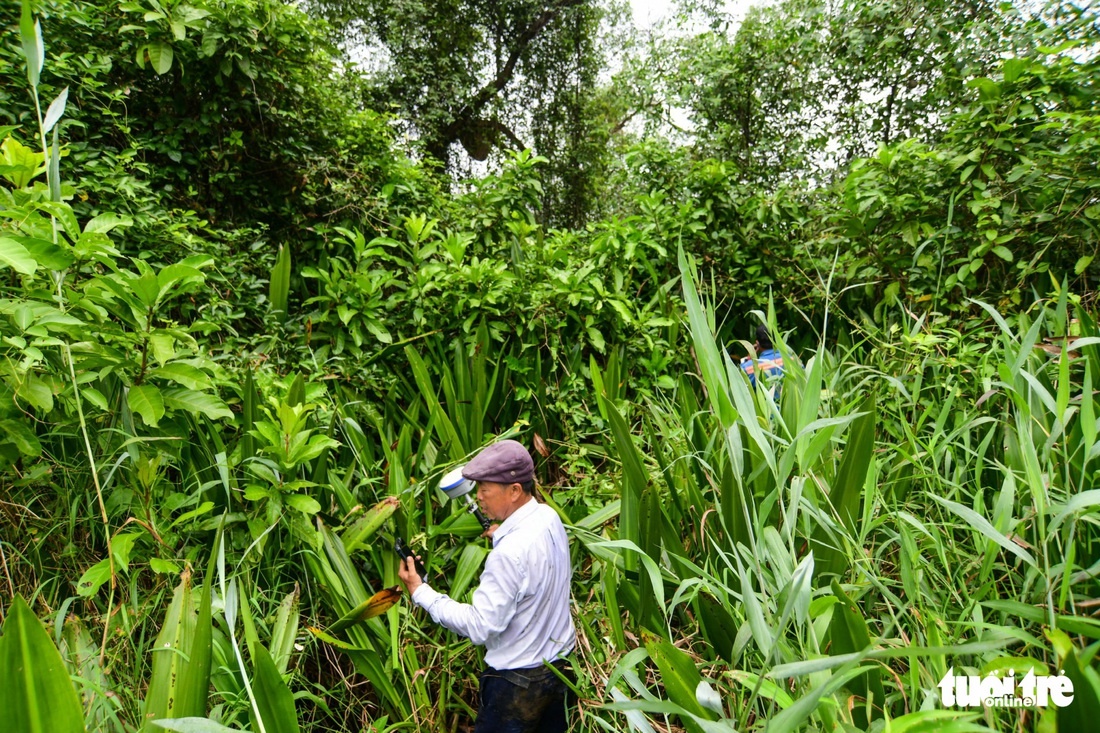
[455, 486]
[405, 553]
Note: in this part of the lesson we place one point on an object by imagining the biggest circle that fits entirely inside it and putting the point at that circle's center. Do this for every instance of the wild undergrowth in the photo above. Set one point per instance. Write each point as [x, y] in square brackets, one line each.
[205, 460]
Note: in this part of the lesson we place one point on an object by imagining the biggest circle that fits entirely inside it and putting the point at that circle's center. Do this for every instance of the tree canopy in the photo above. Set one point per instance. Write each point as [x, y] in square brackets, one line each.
[467, 78]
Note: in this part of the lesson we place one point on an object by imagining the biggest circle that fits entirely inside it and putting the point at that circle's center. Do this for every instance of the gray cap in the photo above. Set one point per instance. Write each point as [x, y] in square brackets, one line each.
[506, 462]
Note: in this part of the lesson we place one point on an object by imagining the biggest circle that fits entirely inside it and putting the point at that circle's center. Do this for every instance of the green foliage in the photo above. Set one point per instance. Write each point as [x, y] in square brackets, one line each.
[180, 679]
[919, 496]
[275, 698]
[514, 74]
[797, 479]
[36, 694]
[802, 88]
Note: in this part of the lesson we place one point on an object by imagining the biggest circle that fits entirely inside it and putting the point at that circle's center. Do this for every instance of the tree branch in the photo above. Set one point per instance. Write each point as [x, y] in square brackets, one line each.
[472, 109]
[507, 132]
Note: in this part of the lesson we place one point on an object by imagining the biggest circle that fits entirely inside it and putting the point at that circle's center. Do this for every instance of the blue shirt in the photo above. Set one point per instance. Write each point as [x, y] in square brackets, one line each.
[768, 361]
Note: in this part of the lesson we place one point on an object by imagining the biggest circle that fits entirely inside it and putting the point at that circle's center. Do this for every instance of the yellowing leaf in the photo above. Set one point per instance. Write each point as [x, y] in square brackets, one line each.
[376, 605]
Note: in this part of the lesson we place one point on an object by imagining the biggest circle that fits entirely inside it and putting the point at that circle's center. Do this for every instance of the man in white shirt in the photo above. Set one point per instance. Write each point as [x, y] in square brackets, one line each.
[520, 610]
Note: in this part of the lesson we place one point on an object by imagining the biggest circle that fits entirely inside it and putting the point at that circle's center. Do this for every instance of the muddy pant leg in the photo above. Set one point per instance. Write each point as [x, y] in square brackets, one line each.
[535, 706]
[555, 717]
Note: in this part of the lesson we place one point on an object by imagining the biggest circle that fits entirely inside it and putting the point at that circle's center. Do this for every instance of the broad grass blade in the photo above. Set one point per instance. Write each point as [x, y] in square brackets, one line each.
[424, 383]
[1084, 711]
[706, 349]
[981, 525]
[36, 695]
[792, 719]
[469, 563]
[846, 493]
[679, 677]
[194, 725]
[279, 290]
[719, 626]
[848, 634]
[171, 654]
[635, 479]
[180, 681]
[285, 630]
[273, 697]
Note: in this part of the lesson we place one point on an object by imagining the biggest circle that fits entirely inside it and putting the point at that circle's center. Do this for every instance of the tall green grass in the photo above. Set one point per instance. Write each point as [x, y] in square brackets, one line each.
[919, 498]
[919, 501]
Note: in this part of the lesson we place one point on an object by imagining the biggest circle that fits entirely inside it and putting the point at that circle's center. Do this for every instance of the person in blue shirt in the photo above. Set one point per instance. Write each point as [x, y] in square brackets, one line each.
[768, 360]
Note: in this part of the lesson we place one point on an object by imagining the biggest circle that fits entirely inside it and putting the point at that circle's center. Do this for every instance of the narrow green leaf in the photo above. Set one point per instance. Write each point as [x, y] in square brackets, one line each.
[848, 635]
[285, 629]
[30, 32]
[611, 598]
[679, 677]
[170, 654]
[846, 494]
[754, 611]
[634, 482]
[365, 526]
[1079, 502]
[980, 524]
[1083, 712]
[469, 563]
[718, 625]
[194, 725]
[53, 172]
[180, 680]
[56, 110]
[791, 719]
[810, 403]
[1088, 411]
[706, 349]
[426, 385]
[848, 490]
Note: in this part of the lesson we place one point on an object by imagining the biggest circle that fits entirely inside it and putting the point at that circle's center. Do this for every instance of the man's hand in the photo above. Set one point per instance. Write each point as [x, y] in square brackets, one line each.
[492, 529]
[406, 571]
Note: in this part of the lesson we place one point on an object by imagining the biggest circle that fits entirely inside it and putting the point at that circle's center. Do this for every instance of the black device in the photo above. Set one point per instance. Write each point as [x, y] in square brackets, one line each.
[405, 553]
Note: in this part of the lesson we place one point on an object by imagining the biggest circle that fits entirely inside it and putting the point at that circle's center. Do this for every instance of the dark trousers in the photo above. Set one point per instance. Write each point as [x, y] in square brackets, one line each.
[523, 701]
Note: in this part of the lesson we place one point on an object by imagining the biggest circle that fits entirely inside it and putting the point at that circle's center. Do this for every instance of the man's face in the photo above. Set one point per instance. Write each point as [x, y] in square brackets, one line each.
[495, 499]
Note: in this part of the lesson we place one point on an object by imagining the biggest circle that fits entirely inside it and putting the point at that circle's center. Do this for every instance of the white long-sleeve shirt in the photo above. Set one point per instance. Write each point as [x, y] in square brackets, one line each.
[520, 610]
